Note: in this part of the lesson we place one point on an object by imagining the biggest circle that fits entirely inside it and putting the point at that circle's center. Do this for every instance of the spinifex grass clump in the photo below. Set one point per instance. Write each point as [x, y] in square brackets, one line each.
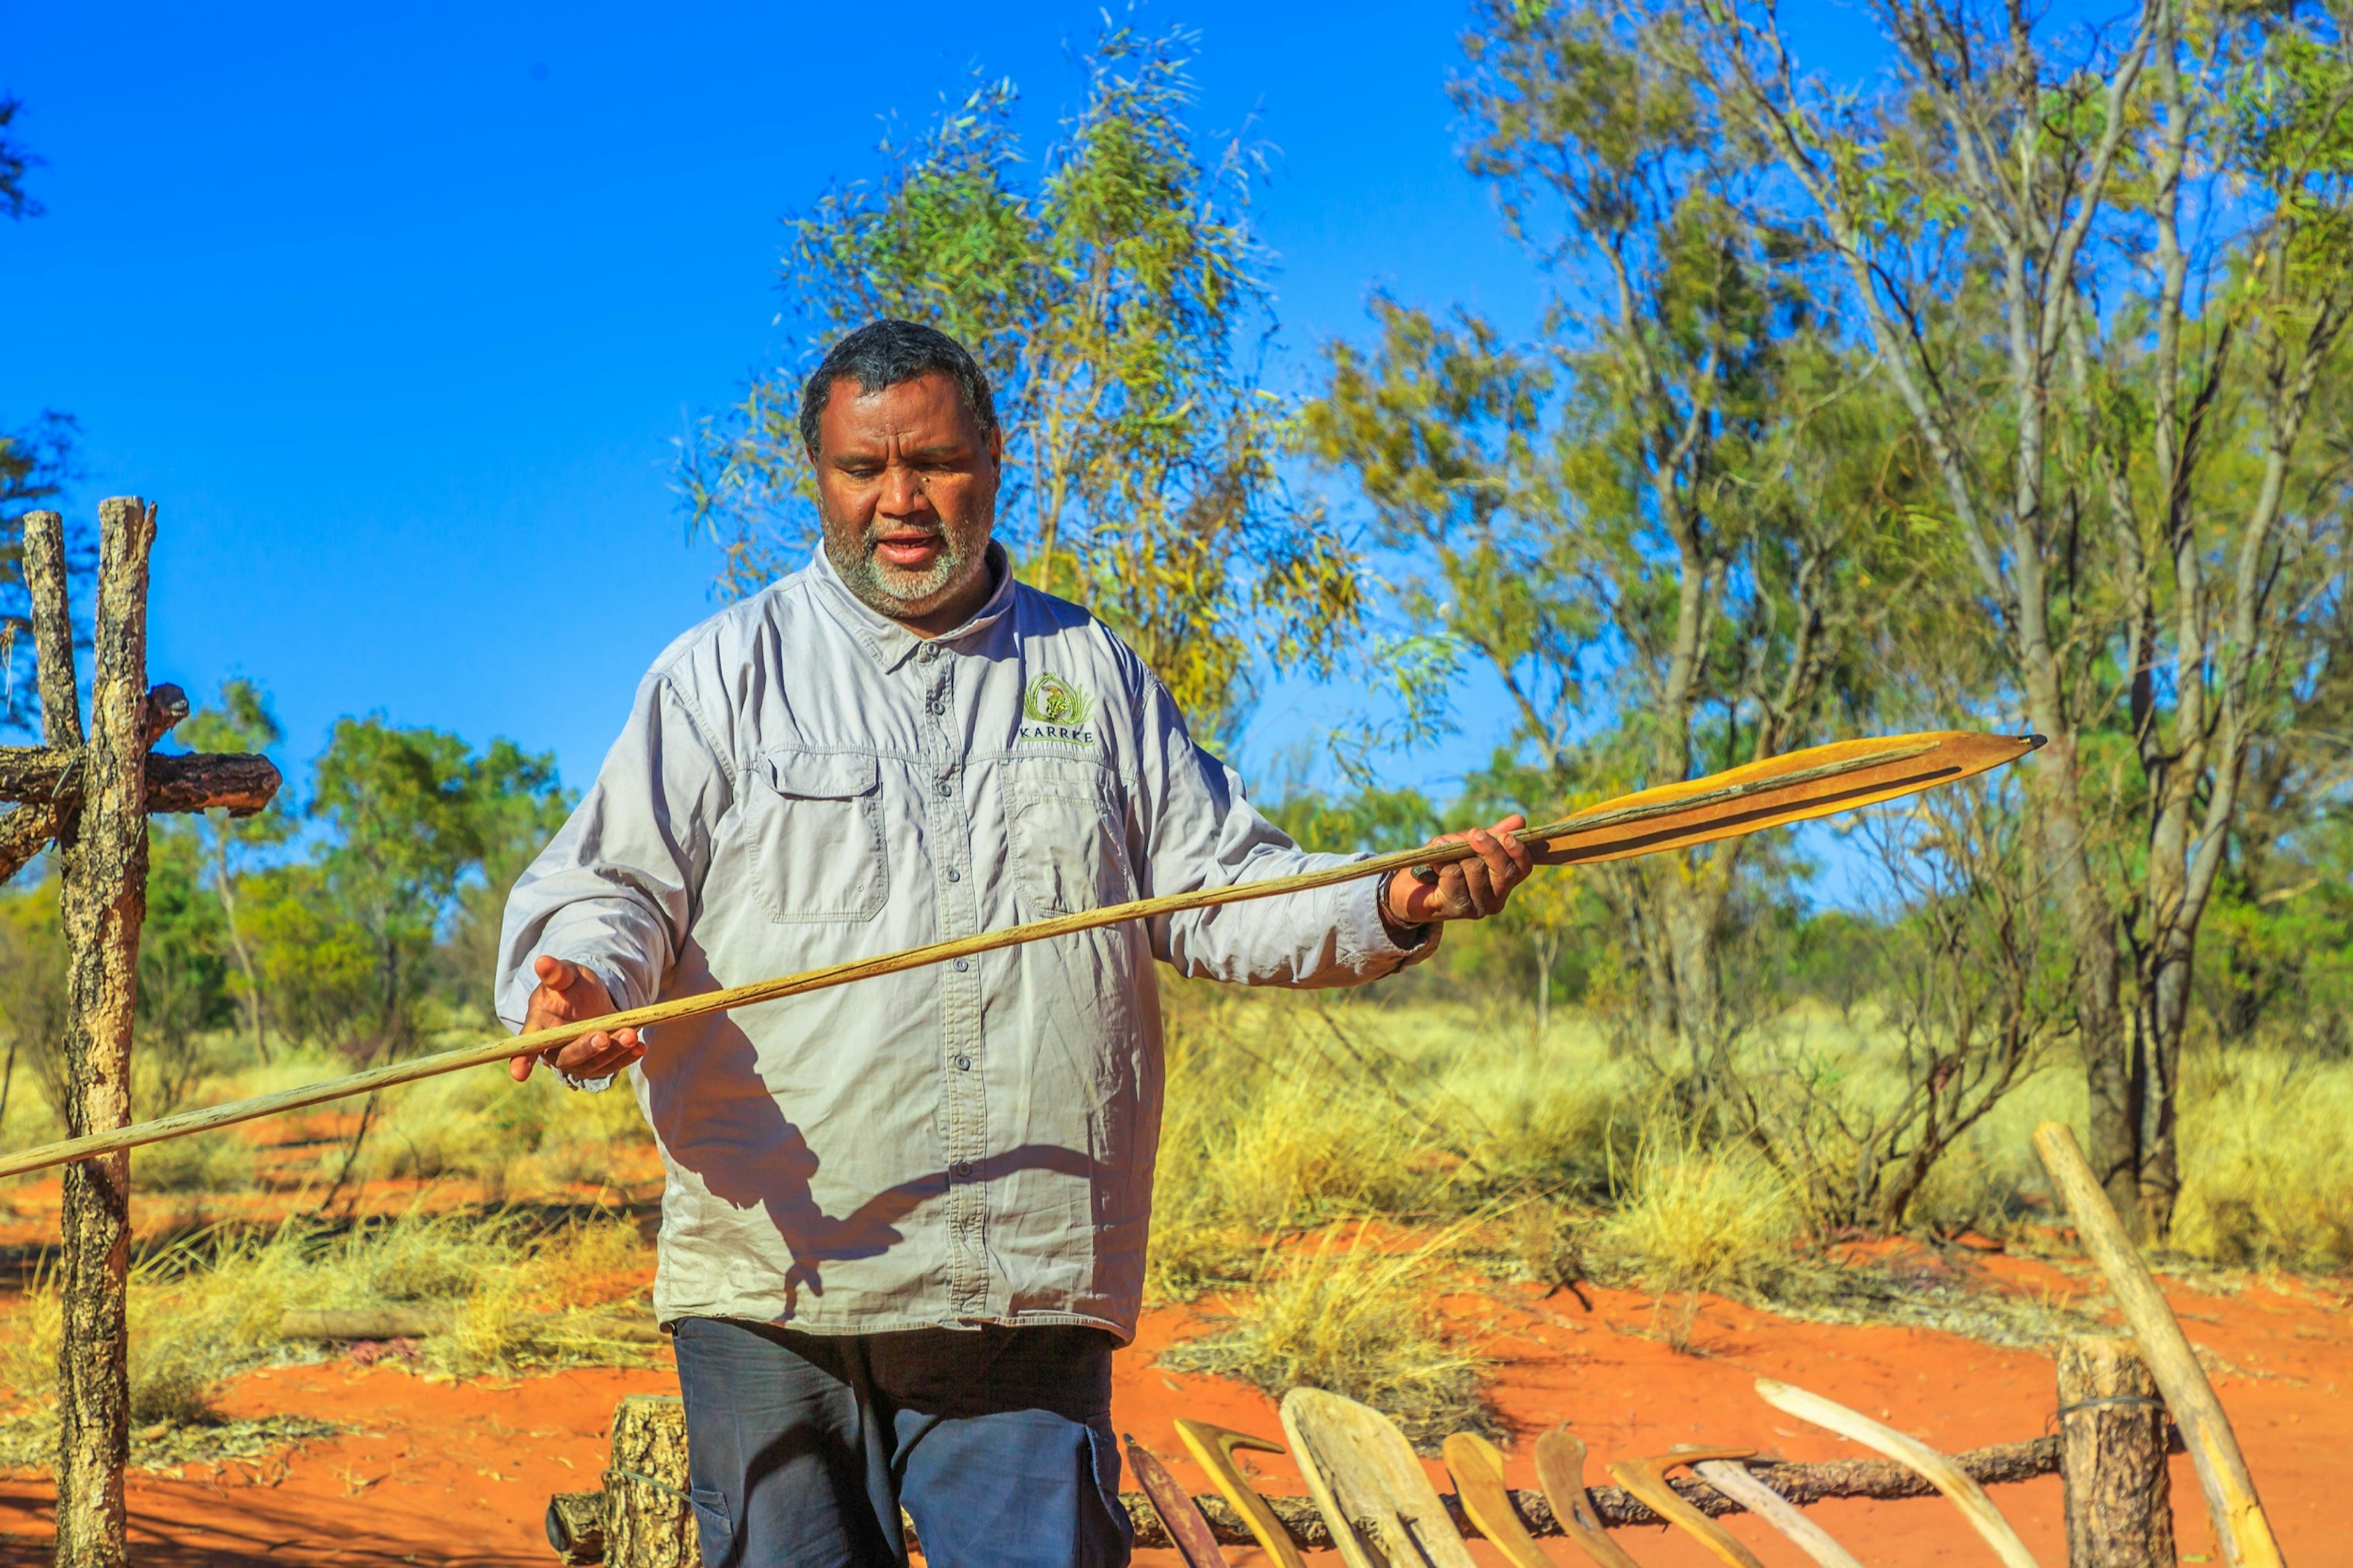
[208, 1307]
[2267, 1171]
[1704, 1219]
[1357, 1319]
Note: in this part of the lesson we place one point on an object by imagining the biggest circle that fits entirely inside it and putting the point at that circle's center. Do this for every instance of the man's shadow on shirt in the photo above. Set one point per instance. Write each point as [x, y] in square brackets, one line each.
[719, 1119]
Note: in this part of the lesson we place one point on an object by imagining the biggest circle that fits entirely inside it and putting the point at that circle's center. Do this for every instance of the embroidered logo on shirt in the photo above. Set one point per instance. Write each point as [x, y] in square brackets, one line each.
[1057, 710]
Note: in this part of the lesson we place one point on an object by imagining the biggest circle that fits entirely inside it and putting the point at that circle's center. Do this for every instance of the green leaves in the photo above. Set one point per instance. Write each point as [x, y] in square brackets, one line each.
[416, 815]
[1112, 289]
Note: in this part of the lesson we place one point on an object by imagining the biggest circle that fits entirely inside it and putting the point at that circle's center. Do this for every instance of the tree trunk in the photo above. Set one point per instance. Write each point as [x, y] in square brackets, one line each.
[1547, 946]
[104, 898]
[2112, 1434]
[225, 888]
[2110, 1072]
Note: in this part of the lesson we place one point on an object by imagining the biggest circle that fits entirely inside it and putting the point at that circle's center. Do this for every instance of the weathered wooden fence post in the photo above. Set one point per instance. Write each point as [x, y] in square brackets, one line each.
[91, 793]
[104, 898]
[2112, 1455]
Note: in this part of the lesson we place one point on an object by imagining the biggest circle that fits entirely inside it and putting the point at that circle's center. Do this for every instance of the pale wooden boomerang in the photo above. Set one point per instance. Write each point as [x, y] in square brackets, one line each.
[1902, 1447]
[1795, 787]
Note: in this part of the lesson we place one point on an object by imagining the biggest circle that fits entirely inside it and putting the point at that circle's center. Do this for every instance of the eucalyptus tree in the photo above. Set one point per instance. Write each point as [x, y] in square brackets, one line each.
[231, 848]
[15, 161]
[2106, 273]
[349, 940]
[1114, 291]
[1659, 528]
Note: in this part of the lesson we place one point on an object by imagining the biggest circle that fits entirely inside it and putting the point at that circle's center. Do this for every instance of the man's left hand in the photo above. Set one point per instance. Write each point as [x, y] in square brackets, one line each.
[1465, 890]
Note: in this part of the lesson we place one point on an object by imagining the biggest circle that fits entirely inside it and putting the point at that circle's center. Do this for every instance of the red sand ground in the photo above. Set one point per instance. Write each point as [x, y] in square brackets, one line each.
[460, 1474]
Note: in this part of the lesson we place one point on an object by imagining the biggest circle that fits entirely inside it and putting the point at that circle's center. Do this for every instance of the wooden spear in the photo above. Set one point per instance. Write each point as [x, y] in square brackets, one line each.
[1819, 781]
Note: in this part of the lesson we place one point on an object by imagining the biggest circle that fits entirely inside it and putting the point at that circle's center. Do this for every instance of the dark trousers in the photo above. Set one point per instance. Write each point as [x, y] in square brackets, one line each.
[803, 1448]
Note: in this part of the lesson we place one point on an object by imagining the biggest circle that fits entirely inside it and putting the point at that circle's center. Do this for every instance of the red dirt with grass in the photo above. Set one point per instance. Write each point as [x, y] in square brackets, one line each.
[437, 1473]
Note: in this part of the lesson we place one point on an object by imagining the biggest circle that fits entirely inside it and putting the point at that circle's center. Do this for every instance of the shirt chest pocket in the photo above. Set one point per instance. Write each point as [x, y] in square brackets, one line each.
[1068, 851]
[815, 826]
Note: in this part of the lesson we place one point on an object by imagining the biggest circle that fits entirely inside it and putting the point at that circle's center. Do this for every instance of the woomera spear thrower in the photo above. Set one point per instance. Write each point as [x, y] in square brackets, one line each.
[1819, 781]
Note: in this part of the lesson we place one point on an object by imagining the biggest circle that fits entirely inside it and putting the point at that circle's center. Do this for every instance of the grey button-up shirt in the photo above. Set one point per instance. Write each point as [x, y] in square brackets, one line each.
[803, 782]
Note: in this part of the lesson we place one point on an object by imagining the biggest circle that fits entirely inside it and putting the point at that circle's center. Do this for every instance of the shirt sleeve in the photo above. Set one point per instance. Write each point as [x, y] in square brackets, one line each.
[1199, 830]
[617, 889]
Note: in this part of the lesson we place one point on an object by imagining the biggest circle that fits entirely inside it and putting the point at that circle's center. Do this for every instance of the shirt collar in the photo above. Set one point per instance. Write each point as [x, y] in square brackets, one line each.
[889, 641]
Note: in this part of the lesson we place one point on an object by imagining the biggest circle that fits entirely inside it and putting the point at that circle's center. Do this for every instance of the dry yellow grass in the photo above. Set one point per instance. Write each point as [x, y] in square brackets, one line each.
[1704, 1219]
[208, 1307]
[2267, 1168]
[1359, 1319]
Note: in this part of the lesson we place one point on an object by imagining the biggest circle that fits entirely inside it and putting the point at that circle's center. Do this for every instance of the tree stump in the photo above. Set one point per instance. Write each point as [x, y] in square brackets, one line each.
[648, 1518]
[2112, 1434]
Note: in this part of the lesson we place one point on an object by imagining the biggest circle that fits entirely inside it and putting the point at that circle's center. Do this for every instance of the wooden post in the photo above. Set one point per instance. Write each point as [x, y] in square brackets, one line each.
[649, 1519]
[26, 830]
[2112, 1455]
[104, 898]
[2240, 1522]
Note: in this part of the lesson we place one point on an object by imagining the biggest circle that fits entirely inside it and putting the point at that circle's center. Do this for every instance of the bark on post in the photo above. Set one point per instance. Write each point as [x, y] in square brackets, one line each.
[2241, 1525]
[648, 1518]
[26, 830]
[2112, 1455]
[104, 857]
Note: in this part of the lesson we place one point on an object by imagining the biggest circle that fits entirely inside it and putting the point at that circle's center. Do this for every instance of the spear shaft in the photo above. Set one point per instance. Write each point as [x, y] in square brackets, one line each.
[1799, 785]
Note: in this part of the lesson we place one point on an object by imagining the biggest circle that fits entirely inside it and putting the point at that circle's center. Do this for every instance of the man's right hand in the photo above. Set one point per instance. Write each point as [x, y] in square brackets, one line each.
[567, 993]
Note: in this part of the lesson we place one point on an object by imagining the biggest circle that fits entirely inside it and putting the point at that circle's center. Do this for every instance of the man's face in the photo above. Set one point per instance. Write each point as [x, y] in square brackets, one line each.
[906, 484]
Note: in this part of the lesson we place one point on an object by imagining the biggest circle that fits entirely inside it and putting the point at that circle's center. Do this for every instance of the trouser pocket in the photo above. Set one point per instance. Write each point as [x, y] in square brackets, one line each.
[715, 1526]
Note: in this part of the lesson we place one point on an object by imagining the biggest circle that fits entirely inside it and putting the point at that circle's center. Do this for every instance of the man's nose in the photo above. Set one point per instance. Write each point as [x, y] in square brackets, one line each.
[902, 492]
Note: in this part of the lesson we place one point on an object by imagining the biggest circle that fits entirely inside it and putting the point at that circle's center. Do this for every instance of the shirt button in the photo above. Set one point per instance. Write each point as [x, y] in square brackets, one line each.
[947, 787]
[963, 965]
[961, 1169]
[955, 875]
[963, 1064]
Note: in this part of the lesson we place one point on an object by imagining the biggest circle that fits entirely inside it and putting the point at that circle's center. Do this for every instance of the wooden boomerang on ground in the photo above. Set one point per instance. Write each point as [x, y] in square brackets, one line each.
[1647, 1479]
[1734, 1482]
[1477, 1467]
[1935, 1468]
[1796, 787]
[1179, 1515]
[1212, 1448]
[1560, 1468]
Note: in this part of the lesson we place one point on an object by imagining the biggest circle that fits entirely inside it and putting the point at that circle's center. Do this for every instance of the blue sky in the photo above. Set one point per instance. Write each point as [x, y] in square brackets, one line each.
[396, 312]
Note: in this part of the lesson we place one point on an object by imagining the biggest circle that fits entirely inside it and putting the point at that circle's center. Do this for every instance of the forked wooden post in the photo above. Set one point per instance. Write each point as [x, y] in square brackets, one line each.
[105, 896]
[2111, 1453]
[91, 793]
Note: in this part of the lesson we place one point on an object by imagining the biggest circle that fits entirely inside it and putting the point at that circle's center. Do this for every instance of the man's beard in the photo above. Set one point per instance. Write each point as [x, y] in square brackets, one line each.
[888, 590]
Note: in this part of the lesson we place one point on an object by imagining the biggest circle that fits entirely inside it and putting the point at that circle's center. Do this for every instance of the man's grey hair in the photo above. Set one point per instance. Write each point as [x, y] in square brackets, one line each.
[887, 353]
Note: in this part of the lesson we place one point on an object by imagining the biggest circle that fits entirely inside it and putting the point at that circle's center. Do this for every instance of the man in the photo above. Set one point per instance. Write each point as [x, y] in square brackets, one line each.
[903, 1222]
